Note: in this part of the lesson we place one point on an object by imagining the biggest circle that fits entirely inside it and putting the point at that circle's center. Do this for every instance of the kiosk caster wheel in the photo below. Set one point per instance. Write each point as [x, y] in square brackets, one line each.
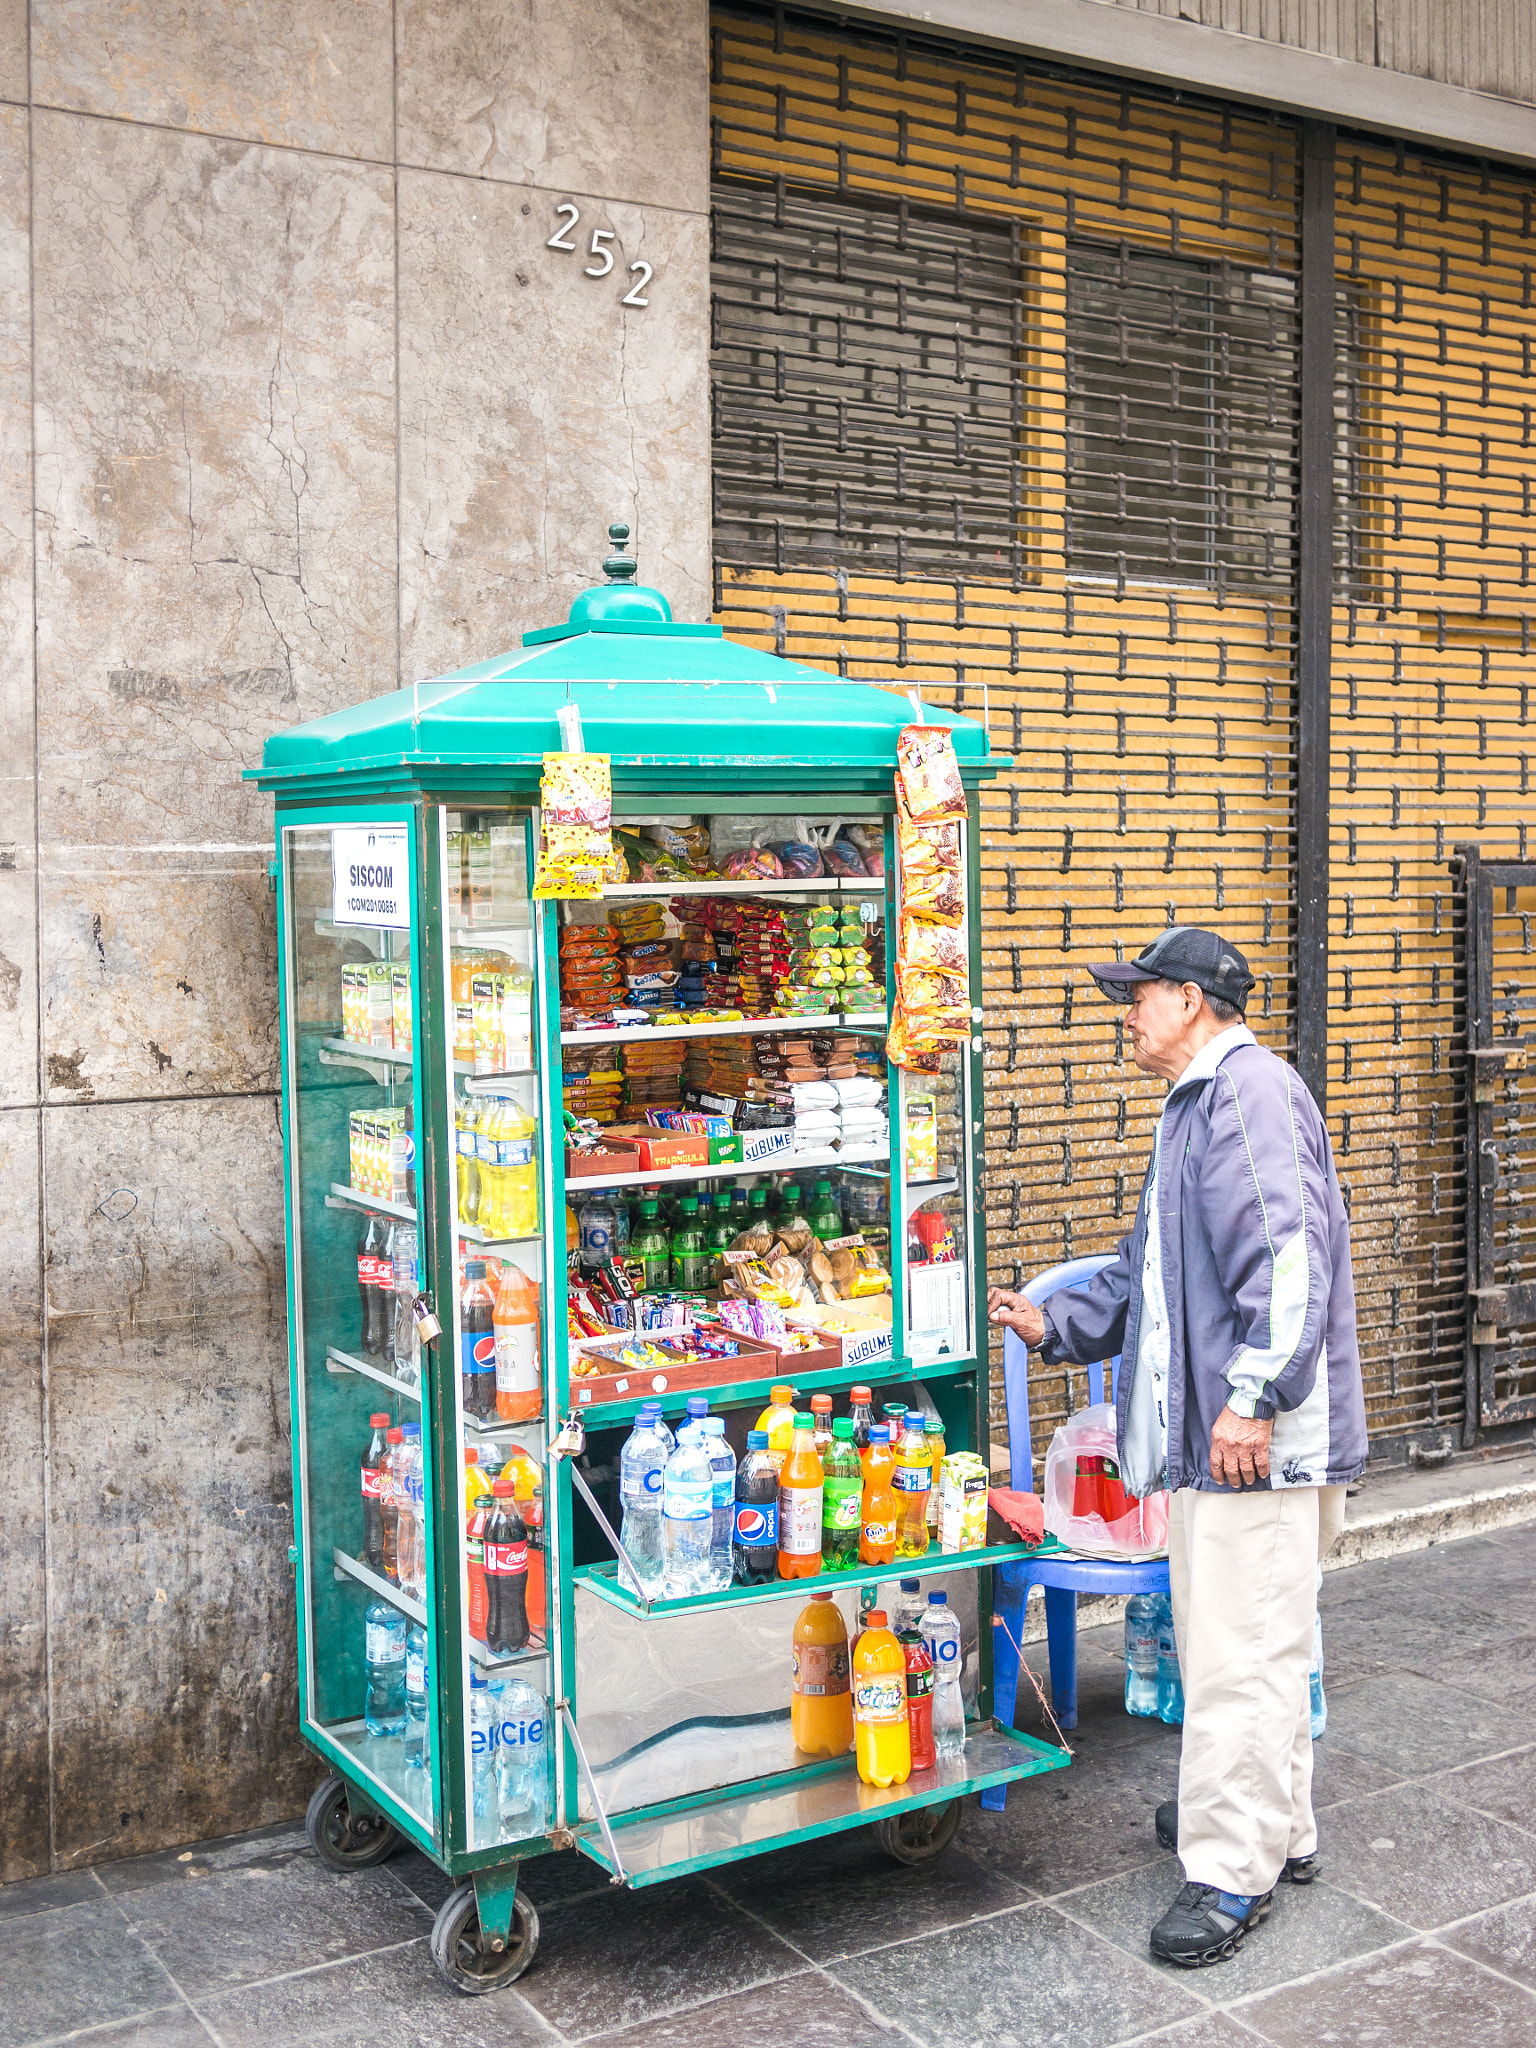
[922, 1834]
[344, 1839]
[463, 1958]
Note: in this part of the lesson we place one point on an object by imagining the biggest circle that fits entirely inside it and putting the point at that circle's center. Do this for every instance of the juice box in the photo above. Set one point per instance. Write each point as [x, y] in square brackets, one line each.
[962, 1502]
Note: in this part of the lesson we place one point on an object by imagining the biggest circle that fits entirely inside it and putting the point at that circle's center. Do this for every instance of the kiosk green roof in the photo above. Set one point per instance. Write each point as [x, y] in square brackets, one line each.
[675, 706]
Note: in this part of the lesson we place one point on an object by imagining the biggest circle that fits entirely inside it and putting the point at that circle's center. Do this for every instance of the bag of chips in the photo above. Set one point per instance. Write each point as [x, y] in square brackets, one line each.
[940, 948]
[576, 842]
[930, 774]
[939, 897]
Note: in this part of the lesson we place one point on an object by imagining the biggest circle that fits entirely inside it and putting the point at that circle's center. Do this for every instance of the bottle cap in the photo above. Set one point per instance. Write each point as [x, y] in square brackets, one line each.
[471, 1457]
[842, 1429]
[379, 1421]
[502, 1488]
[821, 1404]
[911, 1585]
[879, 1432]
[690, 1205]
[821, 1596]
[931, 1427]
[805, 1421]
[875, 1618]
[823, 1187]
[894, 1409]
[647, 1208]
[757, 1439]
[714, 1425]
[860, 1397]
[698, 1404]
[781, 1396]
[476, 1682]
[938, 1599]
[393, 1436]
[411, 1429]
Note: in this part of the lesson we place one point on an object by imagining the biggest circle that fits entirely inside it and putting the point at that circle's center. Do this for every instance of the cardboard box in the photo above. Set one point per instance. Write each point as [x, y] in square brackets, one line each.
[725, 1151]
[765, 1148]
[865, 1346]
[657, 1148]
[603, 1160]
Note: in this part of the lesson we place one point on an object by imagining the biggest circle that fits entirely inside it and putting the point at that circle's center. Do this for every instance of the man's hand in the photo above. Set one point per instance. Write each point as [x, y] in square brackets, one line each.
[1016, 1312]
[1239, 1449]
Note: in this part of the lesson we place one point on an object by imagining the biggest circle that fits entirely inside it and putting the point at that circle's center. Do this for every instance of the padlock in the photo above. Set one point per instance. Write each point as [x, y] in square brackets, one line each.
[427, 1324]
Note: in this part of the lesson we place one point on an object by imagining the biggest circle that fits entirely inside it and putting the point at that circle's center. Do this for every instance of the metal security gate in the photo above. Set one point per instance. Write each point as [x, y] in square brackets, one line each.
[1009, 403]
[1500, 900]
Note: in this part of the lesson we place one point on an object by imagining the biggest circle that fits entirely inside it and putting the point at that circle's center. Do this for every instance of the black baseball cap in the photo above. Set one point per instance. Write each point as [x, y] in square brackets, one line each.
[1185, 952]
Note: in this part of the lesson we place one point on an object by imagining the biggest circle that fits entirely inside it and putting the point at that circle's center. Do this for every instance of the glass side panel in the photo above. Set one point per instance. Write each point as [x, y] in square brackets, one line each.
[353, 1112]
[495, 1327]
[936, 1146]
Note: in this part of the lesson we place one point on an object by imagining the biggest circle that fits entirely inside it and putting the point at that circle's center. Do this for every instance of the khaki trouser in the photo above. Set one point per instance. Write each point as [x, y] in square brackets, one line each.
[1242, 1569]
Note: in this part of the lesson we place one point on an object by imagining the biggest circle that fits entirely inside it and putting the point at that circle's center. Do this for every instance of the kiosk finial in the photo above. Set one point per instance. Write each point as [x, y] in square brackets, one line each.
[620, 567]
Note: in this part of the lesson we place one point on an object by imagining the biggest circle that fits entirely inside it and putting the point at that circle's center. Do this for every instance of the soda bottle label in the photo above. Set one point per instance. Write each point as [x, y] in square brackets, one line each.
[381, 1643]
[881, 1696]
[841, 1500]
[373, 1483]
[919, 1680]
[821, 1670]
[517, 1359]
[800, 1521]
[466, 1143]
[477, 1352]
[508, 1558]
[756, 1527]
[515, 1151]
[880, 1533]
[912, 1478]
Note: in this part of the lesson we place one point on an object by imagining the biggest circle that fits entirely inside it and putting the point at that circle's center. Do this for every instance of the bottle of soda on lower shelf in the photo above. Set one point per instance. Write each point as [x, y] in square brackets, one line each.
[801, 1483]
[375, 1461]
[369, 1245]
[919, 1698]
[477, 1343]
[821, 1423]
[755, 1536]
[384, 1632]
[842, 1497]
[389, 1507]
[384, 1280]
[861, 1413]
[912, 1482]
[417, 1741]
[506, 1573]
[523, 1761]
[515, 1324]
[478, 1502]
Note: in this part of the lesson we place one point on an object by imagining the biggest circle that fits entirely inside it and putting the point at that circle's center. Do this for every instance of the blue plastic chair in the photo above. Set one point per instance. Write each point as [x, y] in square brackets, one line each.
[1061, 1578]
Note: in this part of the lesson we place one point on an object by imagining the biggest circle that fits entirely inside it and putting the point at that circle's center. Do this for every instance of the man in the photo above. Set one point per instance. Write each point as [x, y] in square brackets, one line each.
[1232, 1304]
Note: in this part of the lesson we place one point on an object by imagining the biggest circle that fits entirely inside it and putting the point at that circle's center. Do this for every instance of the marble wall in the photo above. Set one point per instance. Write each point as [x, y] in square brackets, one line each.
[296, 404]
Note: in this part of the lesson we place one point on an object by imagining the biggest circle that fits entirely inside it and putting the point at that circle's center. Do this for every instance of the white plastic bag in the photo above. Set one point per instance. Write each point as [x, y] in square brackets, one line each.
[1082, 1481]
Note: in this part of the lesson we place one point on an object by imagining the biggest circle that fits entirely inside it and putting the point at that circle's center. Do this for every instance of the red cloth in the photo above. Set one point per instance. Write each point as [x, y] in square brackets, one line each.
[1023, 1512]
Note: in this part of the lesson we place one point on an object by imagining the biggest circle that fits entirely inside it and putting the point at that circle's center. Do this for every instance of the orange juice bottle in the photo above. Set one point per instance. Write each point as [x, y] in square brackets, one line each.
[877, 1522]
[778, 1419]
[821, 1710]
[801, 1481]
[877, 1457]
[515, 1323]
[882, 1737]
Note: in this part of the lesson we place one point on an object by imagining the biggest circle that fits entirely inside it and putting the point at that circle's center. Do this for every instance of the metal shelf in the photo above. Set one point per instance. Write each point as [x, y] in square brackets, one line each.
[875, 1023]
[352, 1052]
[741, 1393]
[789, 1162]
[602, 1579]
[348, 1567]
[346, 1361]
[344, 1197]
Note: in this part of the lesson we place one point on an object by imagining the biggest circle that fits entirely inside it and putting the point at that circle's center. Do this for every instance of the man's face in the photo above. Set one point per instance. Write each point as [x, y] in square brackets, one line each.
[1157, 1021]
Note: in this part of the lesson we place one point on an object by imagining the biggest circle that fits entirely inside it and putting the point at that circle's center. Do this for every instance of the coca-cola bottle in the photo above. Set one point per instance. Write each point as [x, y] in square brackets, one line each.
[384, 1294]
[367, 1285]
[374, 1477]
[506, 1573]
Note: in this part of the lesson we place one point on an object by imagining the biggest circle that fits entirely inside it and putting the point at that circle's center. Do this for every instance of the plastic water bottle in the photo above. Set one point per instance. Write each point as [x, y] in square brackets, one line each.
[641, 1464]
[910, 1606]
[1141, 1654]
[417, 1739]
[523, 1761]
[1315, 1676]
[722, 1463]
[484, 1752]
[384, 1632]
[940, 1630]
[687, 1515]
[1170, 1683]
[410, 1536]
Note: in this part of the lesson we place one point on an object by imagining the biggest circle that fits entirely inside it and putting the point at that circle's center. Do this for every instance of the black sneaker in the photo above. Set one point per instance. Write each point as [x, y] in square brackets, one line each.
[1298, 1869]
[1205, 1926]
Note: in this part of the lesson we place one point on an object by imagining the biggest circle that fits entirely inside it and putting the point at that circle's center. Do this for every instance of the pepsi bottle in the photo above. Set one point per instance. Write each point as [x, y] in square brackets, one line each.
[477, 1343]
[755, 1530]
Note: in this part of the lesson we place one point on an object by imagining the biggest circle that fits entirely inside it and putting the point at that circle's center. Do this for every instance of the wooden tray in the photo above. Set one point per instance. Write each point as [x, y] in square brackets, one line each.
[754, 1361]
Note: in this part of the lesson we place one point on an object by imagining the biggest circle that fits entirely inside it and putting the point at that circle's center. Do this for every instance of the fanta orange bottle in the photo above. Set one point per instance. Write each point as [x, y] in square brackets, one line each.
[800, 1487]
[877, 1457]
[877, 1522]
[882, 1739]
[821, 1709]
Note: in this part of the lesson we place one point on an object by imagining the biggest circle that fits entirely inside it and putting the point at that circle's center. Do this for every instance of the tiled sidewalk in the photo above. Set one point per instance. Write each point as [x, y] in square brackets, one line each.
[1030, 1929]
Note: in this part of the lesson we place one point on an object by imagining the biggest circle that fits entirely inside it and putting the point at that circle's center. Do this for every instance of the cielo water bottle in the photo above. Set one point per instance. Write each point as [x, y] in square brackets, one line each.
[1141, 1654]
[484, 1756]
[384, 1632]
[1170, 1683]
[940, 1630]
[641, 1464]
[417, 1739]
[687, 1515]
[523, 1761]
[722, 1465]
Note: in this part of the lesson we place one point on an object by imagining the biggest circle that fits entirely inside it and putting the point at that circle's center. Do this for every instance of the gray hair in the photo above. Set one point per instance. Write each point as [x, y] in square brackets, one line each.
[1223, 1011]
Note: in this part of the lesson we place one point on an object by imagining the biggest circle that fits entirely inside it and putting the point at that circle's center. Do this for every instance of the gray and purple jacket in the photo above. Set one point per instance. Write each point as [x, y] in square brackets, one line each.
[1256, 1272]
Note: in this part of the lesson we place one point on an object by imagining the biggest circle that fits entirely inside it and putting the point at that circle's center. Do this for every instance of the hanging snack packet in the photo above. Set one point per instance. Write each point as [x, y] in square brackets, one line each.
[941, 949]
[930, 773]
[576, 843]
[939, 897]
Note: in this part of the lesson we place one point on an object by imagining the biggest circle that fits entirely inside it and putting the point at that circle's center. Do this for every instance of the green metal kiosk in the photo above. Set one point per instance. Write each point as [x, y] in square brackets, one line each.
[406, 830]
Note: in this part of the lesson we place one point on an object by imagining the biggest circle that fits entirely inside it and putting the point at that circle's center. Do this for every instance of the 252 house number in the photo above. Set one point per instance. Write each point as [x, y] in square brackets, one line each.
[599, 252]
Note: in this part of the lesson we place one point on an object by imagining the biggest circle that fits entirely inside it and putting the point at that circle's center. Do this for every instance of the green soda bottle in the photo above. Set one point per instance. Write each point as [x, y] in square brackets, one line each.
[652, 1246]
[757, 1206]
[791, 1216]
[826, 1217]
[690, 1255]
[842, 1497]
[719, 1235]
